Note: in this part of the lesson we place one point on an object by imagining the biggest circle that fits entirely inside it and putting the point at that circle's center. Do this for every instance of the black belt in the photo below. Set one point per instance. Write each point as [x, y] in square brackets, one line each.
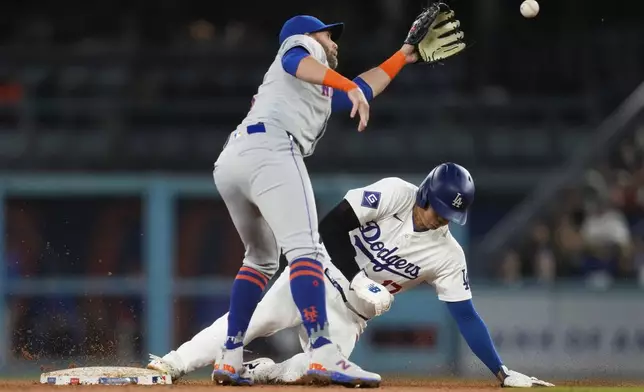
[261, 128]
[344, 297]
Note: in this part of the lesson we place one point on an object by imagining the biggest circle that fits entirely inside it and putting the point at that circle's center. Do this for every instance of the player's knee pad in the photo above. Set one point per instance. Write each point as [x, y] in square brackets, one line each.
[267, 268]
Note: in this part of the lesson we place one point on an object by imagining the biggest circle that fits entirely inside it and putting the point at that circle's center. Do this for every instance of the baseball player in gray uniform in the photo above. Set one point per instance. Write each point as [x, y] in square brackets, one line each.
[261, 177]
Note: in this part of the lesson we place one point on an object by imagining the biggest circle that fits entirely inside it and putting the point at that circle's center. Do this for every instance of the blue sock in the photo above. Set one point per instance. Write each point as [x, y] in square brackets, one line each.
[307, 288]
[246, 293]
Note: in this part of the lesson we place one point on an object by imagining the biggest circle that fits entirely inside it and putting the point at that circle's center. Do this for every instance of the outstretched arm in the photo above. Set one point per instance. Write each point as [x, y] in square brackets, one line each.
[378, 78]
[476, 334]
[436, 32]
[478, 338]
[375, 80]
[298, 62]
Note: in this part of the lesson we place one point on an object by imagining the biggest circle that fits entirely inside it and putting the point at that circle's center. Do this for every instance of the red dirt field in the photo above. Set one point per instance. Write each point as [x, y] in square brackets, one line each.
[388, 385]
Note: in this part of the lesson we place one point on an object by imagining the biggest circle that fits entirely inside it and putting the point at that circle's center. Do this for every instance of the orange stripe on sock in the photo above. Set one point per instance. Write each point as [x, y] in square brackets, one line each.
[256, 273]
[252, 280]
[306, 273]
[302, 263]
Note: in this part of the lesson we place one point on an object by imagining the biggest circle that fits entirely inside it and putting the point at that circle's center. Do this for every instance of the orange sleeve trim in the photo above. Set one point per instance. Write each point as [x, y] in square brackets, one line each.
[337, 81]
[394, 64]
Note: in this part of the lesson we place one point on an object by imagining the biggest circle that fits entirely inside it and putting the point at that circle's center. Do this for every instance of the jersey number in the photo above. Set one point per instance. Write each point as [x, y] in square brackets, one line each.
[395, 287]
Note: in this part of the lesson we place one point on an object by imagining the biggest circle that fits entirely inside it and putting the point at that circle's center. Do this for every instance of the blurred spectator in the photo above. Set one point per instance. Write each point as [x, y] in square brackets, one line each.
[569, 243]
[235, 34]
[510, 270]
[537, 255]
[544, 263]
[202, 31]
[606, 238]
[638, 258]
[594, 231]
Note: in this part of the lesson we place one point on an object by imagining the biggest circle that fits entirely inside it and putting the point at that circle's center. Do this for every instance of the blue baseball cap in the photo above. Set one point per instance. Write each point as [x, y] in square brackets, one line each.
[303, 24]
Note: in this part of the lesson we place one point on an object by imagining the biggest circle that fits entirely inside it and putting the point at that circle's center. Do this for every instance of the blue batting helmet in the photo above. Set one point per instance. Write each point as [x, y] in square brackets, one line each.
[305, 24]
[449, 190]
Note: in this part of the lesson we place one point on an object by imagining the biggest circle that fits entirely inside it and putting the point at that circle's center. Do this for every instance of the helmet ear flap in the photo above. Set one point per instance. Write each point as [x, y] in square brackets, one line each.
[422, 195]
[421, 201]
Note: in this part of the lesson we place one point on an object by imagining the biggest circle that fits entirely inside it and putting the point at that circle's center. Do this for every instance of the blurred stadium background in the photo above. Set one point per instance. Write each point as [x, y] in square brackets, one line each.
[115, 244]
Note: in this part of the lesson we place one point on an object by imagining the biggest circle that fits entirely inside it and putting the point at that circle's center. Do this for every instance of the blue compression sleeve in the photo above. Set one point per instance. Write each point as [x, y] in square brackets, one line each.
[340, 100]
[475, 333]
[292, 57]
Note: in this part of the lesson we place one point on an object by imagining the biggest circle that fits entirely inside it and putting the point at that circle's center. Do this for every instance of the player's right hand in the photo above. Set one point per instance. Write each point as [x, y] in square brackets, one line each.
[360, 106]
[372, 292]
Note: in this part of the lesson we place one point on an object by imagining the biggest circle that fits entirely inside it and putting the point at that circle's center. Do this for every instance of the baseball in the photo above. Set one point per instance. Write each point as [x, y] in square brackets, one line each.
[529, 8]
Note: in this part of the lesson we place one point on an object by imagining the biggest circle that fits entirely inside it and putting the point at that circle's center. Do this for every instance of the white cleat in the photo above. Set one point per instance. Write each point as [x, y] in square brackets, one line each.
[260, 370]
[329, 366]
[166, 366]
[289, 372]
[229, 369]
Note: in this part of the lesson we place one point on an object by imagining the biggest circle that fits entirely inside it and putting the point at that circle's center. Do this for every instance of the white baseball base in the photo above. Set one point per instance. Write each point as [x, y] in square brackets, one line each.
[105, 375]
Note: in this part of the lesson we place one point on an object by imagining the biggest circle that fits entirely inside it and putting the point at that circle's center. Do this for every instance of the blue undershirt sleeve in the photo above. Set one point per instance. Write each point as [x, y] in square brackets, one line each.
[475, 333]
[340, 100]
[292, 58]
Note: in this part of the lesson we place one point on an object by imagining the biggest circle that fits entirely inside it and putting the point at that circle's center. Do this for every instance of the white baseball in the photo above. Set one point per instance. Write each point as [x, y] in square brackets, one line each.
[529, 8]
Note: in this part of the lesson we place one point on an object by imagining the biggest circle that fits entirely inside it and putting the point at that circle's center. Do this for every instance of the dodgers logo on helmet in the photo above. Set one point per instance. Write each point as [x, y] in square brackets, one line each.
[449, 190]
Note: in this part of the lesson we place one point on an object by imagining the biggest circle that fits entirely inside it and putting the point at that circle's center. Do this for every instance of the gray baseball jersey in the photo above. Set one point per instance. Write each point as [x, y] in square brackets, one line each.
[285, 102]
[261, 174]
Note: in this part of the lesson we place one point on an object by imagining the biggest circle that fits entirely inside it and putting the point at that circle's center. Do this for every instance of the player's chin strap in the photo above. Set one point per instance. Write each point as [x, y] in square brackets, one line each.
[344, 297]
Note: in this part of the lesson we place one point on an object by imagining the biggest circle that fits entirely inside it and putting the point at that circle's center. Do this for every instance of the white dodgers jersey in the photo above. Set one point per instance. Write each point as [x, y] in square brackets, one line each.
[396, 256]
[288, 103]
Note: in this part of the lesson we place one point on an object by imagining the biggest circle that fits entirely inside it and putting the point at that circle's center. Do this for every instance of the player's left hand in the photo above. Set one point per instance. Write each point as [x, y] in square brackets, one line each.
[436, 34]
[512, 379]
[411, 55]
[372, 292]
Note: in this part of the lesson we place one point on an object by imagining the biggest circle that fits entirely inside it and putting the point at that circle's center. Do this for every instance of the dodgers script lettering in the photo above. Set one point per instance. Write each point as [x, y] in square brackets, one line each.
[382, 257]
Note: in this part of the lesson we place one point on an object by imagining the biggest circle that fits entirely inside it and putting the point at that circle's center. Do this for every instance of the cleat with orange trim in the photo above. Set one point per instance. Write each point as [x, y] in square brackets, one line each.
[229, 369]
[328, 366]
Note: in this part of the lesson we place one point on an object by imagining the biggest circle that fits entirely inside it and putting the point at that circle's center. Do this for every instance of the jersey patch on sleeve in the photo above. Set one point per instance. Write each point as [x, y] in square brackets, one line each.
[370, 199]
